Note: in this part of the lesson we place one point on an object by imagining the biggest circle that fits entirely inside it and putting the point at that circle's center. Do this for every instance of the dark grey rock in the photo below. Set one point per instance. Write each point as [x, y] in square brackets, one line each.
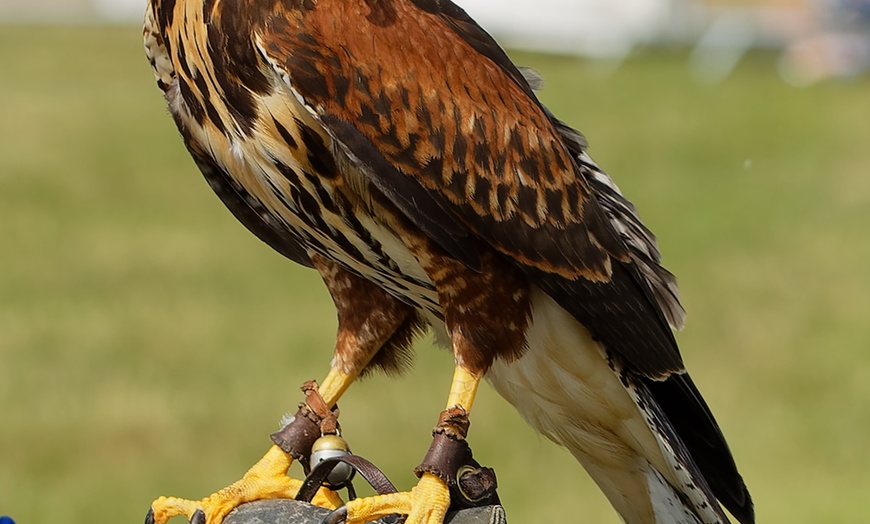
[283, 511]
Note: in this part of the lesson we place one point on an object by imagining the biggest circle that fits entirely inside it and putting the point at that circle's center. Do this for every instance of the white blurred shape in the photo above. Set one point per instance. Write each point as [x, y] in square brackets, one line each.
[723, 45]
[604, 28]
[120, 10]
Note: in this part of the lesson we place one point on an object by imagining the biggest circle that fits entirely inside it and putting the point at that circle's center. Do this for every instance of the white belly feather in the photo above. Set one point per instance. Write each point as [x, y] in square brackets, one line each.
[565, 389]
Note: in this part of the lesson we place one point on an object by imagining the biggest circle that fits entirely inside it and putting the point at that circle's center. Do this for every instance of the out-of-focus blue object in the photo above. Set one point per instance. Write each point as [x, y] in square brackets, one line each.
[6, 520]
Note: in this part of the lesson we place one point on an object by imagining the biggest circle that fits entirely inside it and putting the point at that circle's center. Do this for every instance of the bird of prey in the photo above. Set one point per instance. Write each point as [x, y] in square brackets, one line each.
[394, 147]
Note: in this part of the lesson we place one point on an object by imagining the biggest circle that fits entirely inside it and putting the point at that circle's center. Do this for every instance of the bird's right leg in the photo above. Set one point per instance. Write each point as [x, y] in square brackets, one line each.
[374, 330]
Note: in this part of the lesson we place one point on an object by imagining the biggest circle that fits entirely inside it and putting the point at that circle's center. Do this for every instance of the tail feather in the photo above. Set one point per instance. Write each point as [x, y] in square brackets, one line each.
[690, 418]
[683, 474]
[629, 434]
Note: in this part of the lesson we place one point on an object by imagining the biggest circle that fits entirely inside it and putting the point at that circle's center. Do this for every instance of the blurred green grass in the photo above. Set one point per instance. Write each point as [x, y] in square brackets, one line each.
[148, 344]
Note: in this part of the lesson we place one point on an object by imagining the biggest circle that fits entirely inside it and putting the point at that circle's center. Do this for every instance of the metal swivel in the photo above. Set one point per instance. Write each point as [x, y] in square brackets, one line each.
[476, 484]
[332, 446]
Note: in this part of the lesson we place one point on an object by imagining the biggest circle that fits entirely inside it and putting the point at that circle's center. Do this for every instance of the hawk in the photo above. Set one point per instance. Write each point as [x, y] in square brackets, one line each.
[394, 147]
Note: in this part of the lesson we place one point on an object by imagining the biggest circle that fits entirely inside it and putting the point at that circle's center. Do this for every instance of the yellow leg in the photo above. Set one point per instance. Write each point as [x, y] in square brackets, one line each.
[463, 389]
[334, 386]
[428, 501]
[267, 479]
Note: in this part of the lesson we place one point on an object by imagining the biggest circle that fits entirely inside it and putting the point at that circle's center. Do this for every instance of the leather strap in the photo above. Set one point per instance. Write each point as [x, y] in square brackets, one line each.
[369, 471]
[297, 437]
[446, 455]
[450, 459]
[313, 420]
[328, 417]
[455, 421]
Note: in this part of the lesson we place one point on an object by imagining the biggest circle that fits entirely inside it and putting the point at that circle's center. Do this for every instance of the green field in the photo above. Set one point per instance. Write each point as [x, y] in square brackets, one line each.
[149, 344]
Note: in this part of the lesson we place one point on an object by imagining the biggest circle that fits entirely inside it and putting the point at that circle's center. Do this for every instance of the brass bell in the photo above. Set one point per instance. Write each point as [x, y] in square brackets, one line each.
[332, 446]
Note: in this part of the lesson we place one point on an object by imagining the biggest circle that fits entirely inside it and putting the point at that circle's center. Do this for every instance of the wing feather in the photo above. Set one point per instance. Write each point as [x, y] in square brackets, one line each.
[451, 132]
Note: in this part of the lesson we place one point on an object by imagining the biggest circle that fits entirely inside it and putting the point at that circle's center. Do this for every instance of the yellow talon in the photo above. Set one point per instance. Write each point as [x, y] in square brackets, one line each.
[426, 503]
[267, 479]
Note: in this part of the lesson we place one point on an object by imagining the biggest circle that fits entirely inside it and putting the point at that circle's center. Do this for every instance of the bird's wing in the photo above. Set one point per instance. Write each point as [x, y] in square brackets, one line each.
[248, 210]
[440, 120]
[623, 217]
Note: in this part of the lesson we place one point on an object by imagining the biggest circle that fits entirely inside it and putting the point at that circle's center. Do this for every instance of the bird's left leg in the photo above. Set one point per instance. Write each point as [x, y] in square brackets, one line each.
[428, 501]
[374, 330]
[486, 312]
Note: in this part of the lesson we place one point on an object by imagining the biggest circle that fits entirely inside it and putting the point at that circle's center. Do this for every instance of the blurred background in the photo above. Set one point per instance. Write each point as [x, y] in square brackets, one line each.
[816, 39]
[149, 344]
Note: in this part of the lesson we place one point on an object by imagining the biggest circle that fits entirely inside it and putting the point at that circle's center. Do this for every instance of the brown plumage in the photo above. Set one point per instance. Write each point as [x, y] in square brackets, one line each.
[394, 147]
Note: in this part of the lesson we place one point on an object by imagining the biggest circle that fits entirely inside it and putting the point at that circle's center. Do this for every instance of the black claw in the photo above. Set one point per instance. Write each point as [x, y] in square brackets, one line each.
[198, 517]
[149, 518]
[336, 517]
